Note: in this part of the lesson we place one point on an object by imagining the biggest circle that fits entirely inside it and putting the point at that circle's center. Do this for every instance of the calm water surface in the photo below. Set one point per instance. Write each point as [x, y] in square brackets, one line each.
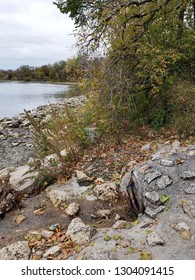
[17, 96]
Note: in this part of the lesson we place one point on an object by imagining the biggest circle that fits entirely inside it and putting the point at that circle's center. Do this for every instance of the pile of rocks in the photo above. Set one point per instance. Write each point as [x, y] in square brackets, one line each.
[15, 148]
[164, 186]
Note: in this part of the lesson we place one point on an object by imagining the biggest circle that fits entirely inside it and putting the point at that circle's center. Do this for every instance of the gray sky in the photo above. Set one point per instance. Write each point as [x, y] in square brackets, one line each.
[33, 32]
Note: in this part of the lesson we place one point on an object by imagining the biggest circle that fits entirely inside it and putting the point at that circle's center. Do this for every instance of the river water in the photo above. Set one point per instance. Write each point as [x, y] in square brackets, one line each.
[17, 96]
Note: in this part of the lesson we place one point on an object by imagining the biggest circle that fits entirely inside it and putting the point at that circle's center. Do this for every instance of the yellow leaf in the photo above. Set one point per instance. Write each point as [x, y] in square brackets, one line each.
[146, 256]
[186, 235]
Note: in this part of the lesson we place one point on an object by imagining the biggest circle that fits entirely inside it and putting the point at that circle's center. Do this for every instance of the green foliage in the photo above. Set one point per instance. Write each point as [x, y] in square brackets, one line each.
[71, 70]
[63, 137]
[164, 198]
[148, 44]
[159, 119]
[181, 107]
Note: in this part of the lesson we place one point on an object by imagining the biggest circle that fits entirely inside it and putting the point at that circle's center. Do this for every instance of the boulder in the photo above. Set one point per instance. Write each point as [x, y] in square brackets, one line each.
[16, 251]
[158, 183]
[79, 232]
[60, 193]
[21, 180]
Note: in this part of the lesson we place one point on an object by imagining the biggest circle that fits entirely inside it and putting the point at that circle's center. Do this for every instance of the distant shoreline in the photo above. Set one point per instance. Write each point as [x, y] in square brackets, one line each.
[40, 81]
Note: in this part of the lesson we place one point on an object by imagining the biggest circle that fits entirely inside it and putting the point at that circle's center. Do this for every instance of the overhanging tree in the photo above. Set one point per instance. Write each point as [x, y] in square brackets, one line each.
[147, 43]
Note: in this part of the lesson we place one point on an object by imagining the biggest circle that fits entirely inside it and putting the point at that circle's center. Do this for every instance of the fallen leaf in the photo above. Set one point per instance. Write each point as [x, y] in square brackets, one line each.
[78, 248]
[116, 237]
[38, 237]
[146, 256]
[20, 219]
[113, 250]
[130, 250]
[186, 235]
[148, 231]
[91, 244]
[164, 198]
[136, 222]
[107, 238]
[36, 257]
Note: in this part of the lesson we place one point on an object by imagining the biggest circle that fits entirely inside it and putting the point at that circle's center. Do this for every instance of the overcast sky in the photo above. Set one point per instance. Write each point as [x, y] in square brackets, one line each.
[33, 32]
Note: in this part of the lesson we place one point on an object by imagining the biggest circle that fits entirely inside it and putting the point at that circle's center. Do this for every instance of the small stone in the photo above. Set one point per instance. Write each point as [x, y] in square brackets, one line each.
[106, 192]
[153, 239]
[83, 179]
[166, 162]
[14, 144]
[63, 153]
[164, 182]
[117, 217]
[152, 213]
[79, 232]
[187, 175]
[52, 251]
[90, 197]
[180, 227]
[46, 234]
[72, 209]
[120, 224]
[26, 123]
[39, 253]
[124, 243]
[104, 213]
[191, 189]
[152, 196]
[146, 147]
[152, 176]
[191, 153]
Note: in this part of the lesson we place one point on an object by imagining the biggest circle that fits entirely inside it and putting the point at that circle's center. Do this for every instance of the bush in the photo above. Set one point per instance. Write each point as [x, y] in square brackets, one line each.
[62, 132]
[181, 107]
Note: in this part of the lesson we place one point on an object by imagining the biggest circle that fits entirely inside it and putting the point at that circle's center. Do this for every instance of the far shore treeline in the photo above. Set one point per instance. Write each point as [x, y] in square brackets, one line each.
[70, 70]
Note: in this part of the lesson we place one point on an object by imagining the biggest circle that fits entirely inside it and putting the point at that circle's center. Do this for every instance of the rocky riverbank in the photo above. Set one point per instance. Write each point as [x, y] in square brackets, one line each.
[146, 212]
[15, 147]
[149, 215]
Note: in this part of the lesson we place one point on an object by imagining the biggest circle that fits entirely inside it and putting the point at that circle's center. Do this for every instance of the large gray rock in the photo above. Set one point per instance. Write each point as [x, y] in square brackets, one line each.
[21, 180]
[79, 232]
[15, 251]
[162, 181]
[60, 193]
